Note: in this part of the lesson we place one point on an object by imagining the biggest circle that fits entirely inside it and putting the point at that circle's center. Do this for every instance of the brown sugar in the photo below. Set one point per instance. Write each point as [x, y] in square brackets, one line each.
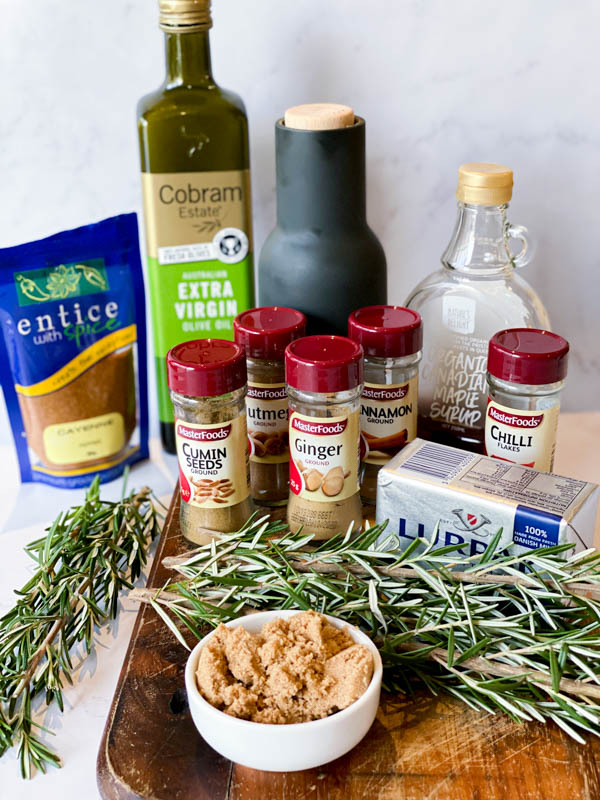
[294, 670]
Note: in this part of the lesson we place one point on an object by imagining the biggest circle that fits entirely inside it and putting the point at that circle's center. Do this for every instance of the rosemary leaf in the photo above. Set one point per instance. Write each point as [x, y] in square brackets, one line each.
[89, 554]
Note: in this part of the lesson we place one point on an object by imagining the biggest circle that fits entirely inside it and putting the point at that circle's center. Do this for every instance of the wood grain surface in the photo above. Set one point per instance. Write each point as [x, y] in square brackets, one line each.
[419, 747]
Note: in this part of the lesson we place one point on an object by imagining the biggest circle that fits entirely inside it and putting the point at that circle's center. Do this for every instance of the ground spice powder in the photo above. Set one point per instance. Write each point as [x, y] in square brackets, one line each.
[106, 389]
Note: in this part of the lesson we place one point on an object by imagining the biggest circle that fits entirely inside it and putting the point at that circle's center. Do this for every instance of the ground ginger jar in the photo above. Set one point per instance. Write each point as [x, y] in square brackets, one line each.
[324, 376]
[526, 373]
[207, 382]
[264, 333]
[392, 338]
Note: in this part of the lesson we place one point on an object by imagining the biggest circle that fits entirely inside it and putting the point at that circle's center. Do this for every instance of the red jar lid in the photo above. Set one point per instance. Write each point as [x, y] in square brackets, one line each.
[386, 331]
[324, 364]
[528, 355]
[266, 332]
[206, 367]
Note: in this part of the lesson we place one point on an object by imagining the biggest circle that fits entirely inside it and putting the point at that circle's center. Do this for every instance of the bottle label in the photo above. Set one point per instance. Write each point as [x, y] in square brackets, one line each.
[388, 419]
[324, 456]
[521, 437]
[199, 241]
[85, 439]
[213, 462]
[268, 420]
[452, 379]
[458, 313]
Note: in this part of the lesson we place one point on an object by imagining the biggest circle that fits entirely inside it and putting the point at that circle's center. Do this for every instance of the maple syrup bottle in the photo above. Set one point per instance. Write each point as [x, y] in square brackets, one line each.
[476, 293]
[193, 139]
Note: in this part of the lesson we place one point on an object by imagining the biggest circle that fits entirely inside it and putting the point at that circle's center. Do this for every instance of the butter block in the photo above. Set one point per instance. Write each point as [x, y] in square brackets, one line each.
[473, 496]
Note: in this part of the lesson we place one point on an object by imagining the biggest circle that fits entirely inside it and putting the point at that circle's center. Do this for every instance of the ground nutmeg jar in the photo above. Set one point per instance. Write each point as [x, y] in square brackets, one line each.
[207, 382]
[392, 338]
[526, 372]
[264, 333]
[324, 377]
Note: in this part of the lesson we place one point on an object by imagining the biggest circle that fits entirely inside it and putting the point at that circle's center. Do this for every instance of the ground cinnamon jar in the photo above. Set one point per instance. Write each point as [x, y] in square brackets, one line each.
[324, 379]
[264, 333]
[526, 373]
[392, 338]
[207, 382]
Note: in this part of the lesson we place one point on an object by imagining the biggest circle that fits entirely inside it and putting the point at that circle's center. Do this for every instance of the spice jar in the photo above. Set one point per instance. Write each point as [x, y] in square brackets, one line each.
[324, 379]
[526, 372]
[207, 382]
[264, 333]
[391, 337]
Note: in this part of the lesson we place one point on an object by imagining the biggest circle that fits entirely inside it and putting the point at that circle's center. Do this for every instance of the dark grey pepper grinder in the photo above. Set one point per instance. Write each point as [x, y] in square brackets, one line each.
[321, 258]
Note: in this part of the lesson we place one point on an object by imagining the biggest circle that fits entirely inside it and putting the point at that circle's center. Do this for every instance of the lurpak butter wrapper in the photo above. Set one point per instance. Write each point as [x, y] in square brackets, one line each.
[473, 496]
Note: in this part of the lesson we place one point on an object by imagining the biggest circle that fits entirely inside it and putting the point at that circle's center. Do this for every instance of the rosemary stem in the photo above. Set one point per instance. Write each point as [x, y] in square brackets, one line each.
[588, 590]
[485, 667]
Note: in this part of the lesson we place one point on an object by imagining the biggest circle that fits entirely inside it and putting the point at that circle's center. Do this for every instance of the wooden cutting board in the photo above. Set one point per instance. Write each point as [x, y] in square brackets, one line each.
[419, 747]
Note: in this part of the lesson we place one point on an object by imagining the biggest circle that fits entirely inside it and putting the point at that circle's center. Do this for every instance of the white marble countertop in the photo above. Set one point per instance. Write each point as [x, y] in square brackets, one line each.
[24, 512]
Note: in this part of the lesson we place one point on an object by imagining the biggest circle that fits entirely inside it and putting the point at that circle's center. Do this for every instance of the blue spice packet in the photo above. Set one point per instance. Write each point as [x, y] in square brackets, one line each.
[73, 353]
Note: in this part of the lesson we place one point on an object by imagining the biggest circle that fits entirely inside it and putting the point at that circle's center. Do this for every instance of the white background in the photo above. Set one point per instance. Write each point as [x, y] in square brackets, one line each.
[439, 83]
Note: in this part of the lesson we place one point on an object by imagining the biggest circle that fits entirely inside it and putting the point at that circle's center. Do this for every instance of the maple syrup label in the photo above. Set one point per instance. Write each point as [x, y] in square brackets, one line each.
[388, 419]
[324, 456]
[521, 437]
[213, 462]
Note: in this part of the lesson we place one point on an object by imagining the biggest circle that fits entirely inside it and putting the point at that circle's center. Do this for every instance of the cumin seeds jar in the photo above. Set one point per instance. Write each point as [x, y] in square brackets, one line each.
[207, 382]
[324, 376]
[264, 333]
[392, 338]
[526, 373]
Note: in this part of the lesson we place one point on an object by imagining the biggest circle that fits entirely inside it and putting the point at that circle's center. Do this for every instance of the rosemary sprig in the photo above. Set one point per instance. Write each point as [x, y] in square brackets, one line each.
[513, 633]
[89, 554]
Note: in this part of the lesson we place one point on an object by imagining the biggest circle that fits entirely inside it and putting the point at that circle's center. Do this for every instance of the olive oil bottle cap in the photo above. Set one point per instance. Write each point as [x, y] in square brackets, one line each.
[179, 16]
[484, 184]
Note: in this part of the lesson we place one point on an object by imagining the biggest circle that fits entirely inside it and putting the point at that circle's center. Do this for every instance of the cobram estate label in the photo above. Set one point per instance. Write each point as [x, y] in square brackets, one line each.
[199, 240]
[213, 462]
[324, 456]
[522, 437]
[268, 420]
[388, 419]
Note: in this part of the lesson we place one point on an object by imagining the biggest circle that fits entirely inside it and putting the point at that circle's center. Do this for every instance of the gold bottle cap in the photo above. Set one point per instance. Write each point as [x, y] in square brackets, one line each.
[179, 16]
[319, 117]
[484, 184]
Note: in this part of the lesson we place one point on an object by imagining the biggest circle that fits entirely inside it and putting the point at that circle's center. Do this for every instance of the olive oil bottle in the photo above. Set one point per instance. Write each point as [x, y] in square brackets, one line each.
[193, 139]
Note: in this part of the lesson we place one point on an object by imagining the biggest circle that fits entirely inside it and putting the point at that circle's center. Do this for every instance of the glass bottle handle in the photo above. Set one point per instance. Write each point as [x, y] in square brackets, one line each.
[527, 251]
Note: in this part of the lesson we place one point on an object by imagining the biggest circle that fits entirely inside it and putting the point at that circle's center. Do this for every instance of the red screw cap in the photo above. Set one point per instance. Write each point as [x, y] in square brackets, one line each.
[324, 364]
[386, 331]
[266, 332]
[528, 356]
[206, 367]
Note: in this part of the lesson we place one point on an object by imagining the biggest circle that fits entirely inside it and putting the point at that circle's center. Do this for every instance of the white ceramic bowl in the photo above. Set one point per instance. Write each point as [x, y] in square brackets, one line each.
[284, 748]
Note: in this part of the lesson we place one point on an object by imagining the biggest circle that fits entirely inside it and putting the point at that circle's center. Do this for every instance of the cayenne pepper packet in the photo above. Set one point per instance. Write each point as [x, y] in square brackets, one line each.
[73, 353]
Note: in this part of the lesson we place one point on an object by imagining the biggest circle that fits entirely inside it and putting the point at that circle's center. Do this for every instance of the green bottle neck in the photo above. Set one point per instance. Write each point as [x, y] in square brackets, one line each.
[188, 59]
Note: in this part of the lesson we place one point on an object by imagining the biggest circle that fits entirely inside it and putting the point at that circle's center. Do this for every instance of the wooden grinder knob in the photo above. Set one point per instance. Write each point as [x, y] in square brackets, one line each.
[319, 117]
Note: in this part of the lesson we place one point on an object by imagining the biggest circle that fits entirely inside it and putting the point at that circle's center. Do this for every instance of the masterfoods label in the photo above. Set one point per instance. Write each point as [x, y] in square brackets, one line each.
[452, 497]
[388, 419]
[213, 462]
[268, 420]
[199, 241]
[522, 437]
[324, 456]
